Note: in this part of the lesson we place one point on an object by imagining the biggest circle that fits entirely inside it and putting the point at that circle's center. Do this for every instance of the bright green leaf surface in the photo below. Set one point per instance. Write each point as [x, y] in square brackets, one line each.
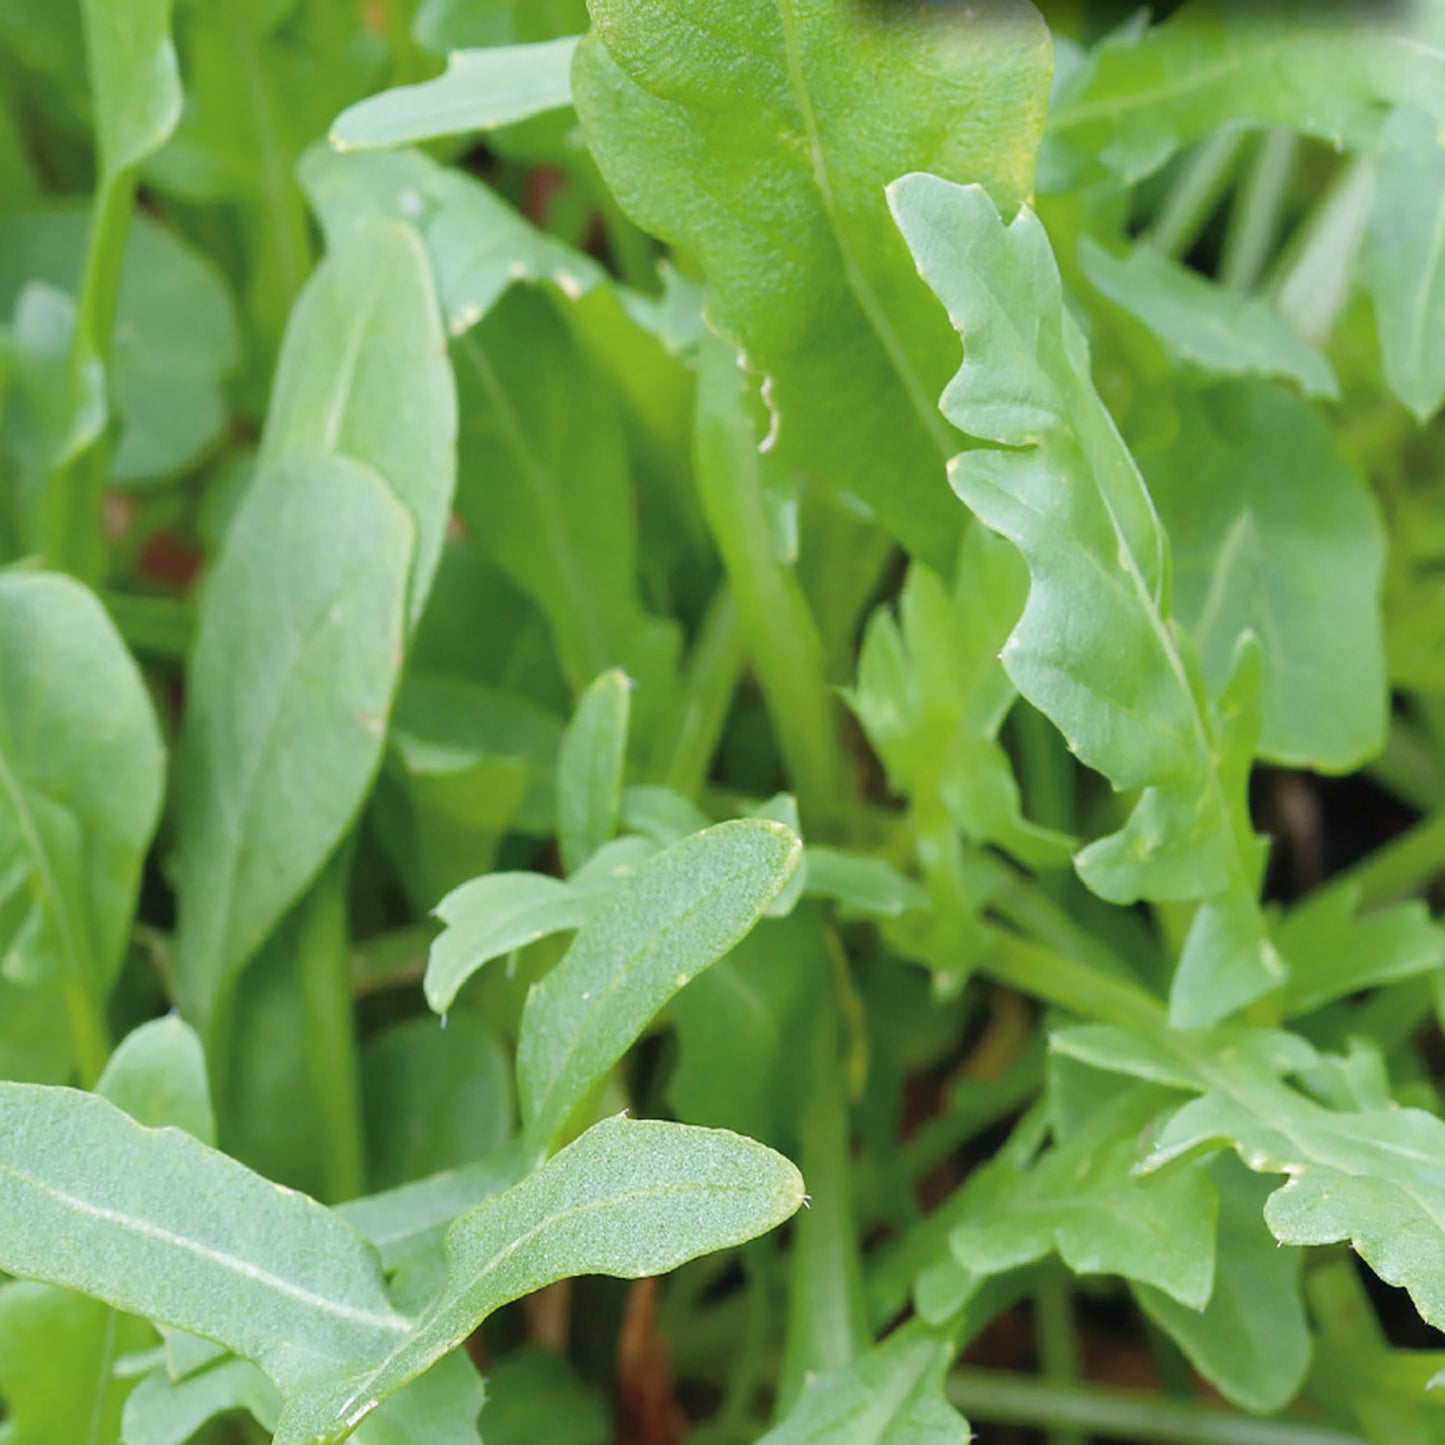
[135, 78]
[480, 91]
[628, 1198]
[1403, 261]
[158, 1076]
[784, 207]
[291, 682]
[1301, 569]
[1202, 322]
[678, 914]
[364, 374]
[1095, 650]
[590, 767]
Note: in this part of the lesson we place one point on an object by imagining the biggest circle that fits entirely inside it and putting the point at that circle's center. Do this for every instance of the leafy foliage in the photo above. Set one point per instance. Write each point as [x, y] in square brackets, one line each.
[853, 583]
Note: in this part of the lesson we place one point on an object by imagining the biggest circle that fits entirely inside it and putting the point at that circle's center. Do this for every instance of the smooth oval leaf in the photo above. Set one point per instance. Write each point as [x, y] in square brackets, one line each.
[629, 1198]
[296, 660]
[680, 912]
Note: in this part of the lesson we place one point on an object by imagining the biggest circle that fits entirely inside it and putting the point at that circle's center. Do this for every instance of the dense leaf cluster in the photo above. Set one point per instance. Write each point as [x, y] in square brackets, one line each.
[599, 599]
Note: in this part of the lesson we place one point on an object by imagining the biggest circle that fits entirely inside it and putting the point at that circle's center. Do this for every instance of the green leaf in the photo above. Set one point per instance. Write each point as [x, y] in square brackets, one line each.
[175, 335]
[162, 1411]
[893, 1395]
[80, 792]
[156, 1223]
[1402, 264]
[1251, 1341]
[860, 883]
[478, 245]
[627, 1199]
[364, 374]
[1302, 569]
[534, 1394]
[1096, 650]
[1202, 322]
[296, 658]
[134, 77]
[1083, 1199]
[679, 913]
[481, 90]
[1319, 69]
[784, 208]
[158, 1076]
[590, 767]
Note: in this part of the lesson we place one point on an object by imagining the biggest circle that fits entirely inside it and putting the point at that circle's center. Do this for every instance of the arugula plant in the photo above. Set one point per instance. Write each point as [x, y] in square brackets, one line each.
[617, 618]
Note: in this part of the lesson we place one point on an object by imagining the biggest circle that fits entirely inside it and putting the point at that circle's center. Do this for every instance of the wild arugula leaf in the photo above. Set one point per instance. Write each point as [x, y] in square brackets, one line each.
[158, 1076]
[785, 213]
[481, 90]
[1112, 672]
[1316, 69]
[1202, 322]
[1302, 572]
[79, 797]
[1402, 264]
[628, 1198]
[679, 913]
[296, 659]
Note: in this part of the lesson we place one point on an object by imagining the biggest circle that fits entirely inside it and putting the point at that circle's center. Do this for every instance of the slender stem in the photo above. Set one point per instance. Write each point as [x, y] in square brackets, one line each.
[714, 669]
[1408, 767]
[1033, 969]
[395, 959]
[1058, 1346]
[1004, 1398]
[157, 627]
[777, 625]
[324, 961]
[1195, 193]
[1046, 771]
[1254, 221]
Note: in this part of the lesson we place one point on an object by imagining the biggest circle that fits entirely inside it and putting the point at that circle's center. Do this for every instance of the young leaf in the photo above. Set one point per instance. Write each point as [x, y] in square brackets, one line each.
[481, 90]
[296, 659]
[784, 209]
[1319, 69]
[155, 1223]
[158, 1076]
[1096, 650]
[135, 78]
[80, 793]
[590, 767]
[1402, 265]
[364, 374]
[680, 912]
[627, 1199]
[1302, 569]
[893, 1395]
[1202, 322]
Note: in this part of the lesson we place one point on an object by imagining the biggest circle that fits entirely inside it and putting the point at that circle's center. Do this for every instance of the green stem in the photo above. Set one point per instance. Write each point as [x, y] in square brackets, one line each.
[323, 956]
[1058, 1346]
[1408, 767]
[1066, 983]
[1046, 771]
[1191, 200]
[157, 627]
[776, 623]
[714, 669]
[1004, 1398]
[1254, 221]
